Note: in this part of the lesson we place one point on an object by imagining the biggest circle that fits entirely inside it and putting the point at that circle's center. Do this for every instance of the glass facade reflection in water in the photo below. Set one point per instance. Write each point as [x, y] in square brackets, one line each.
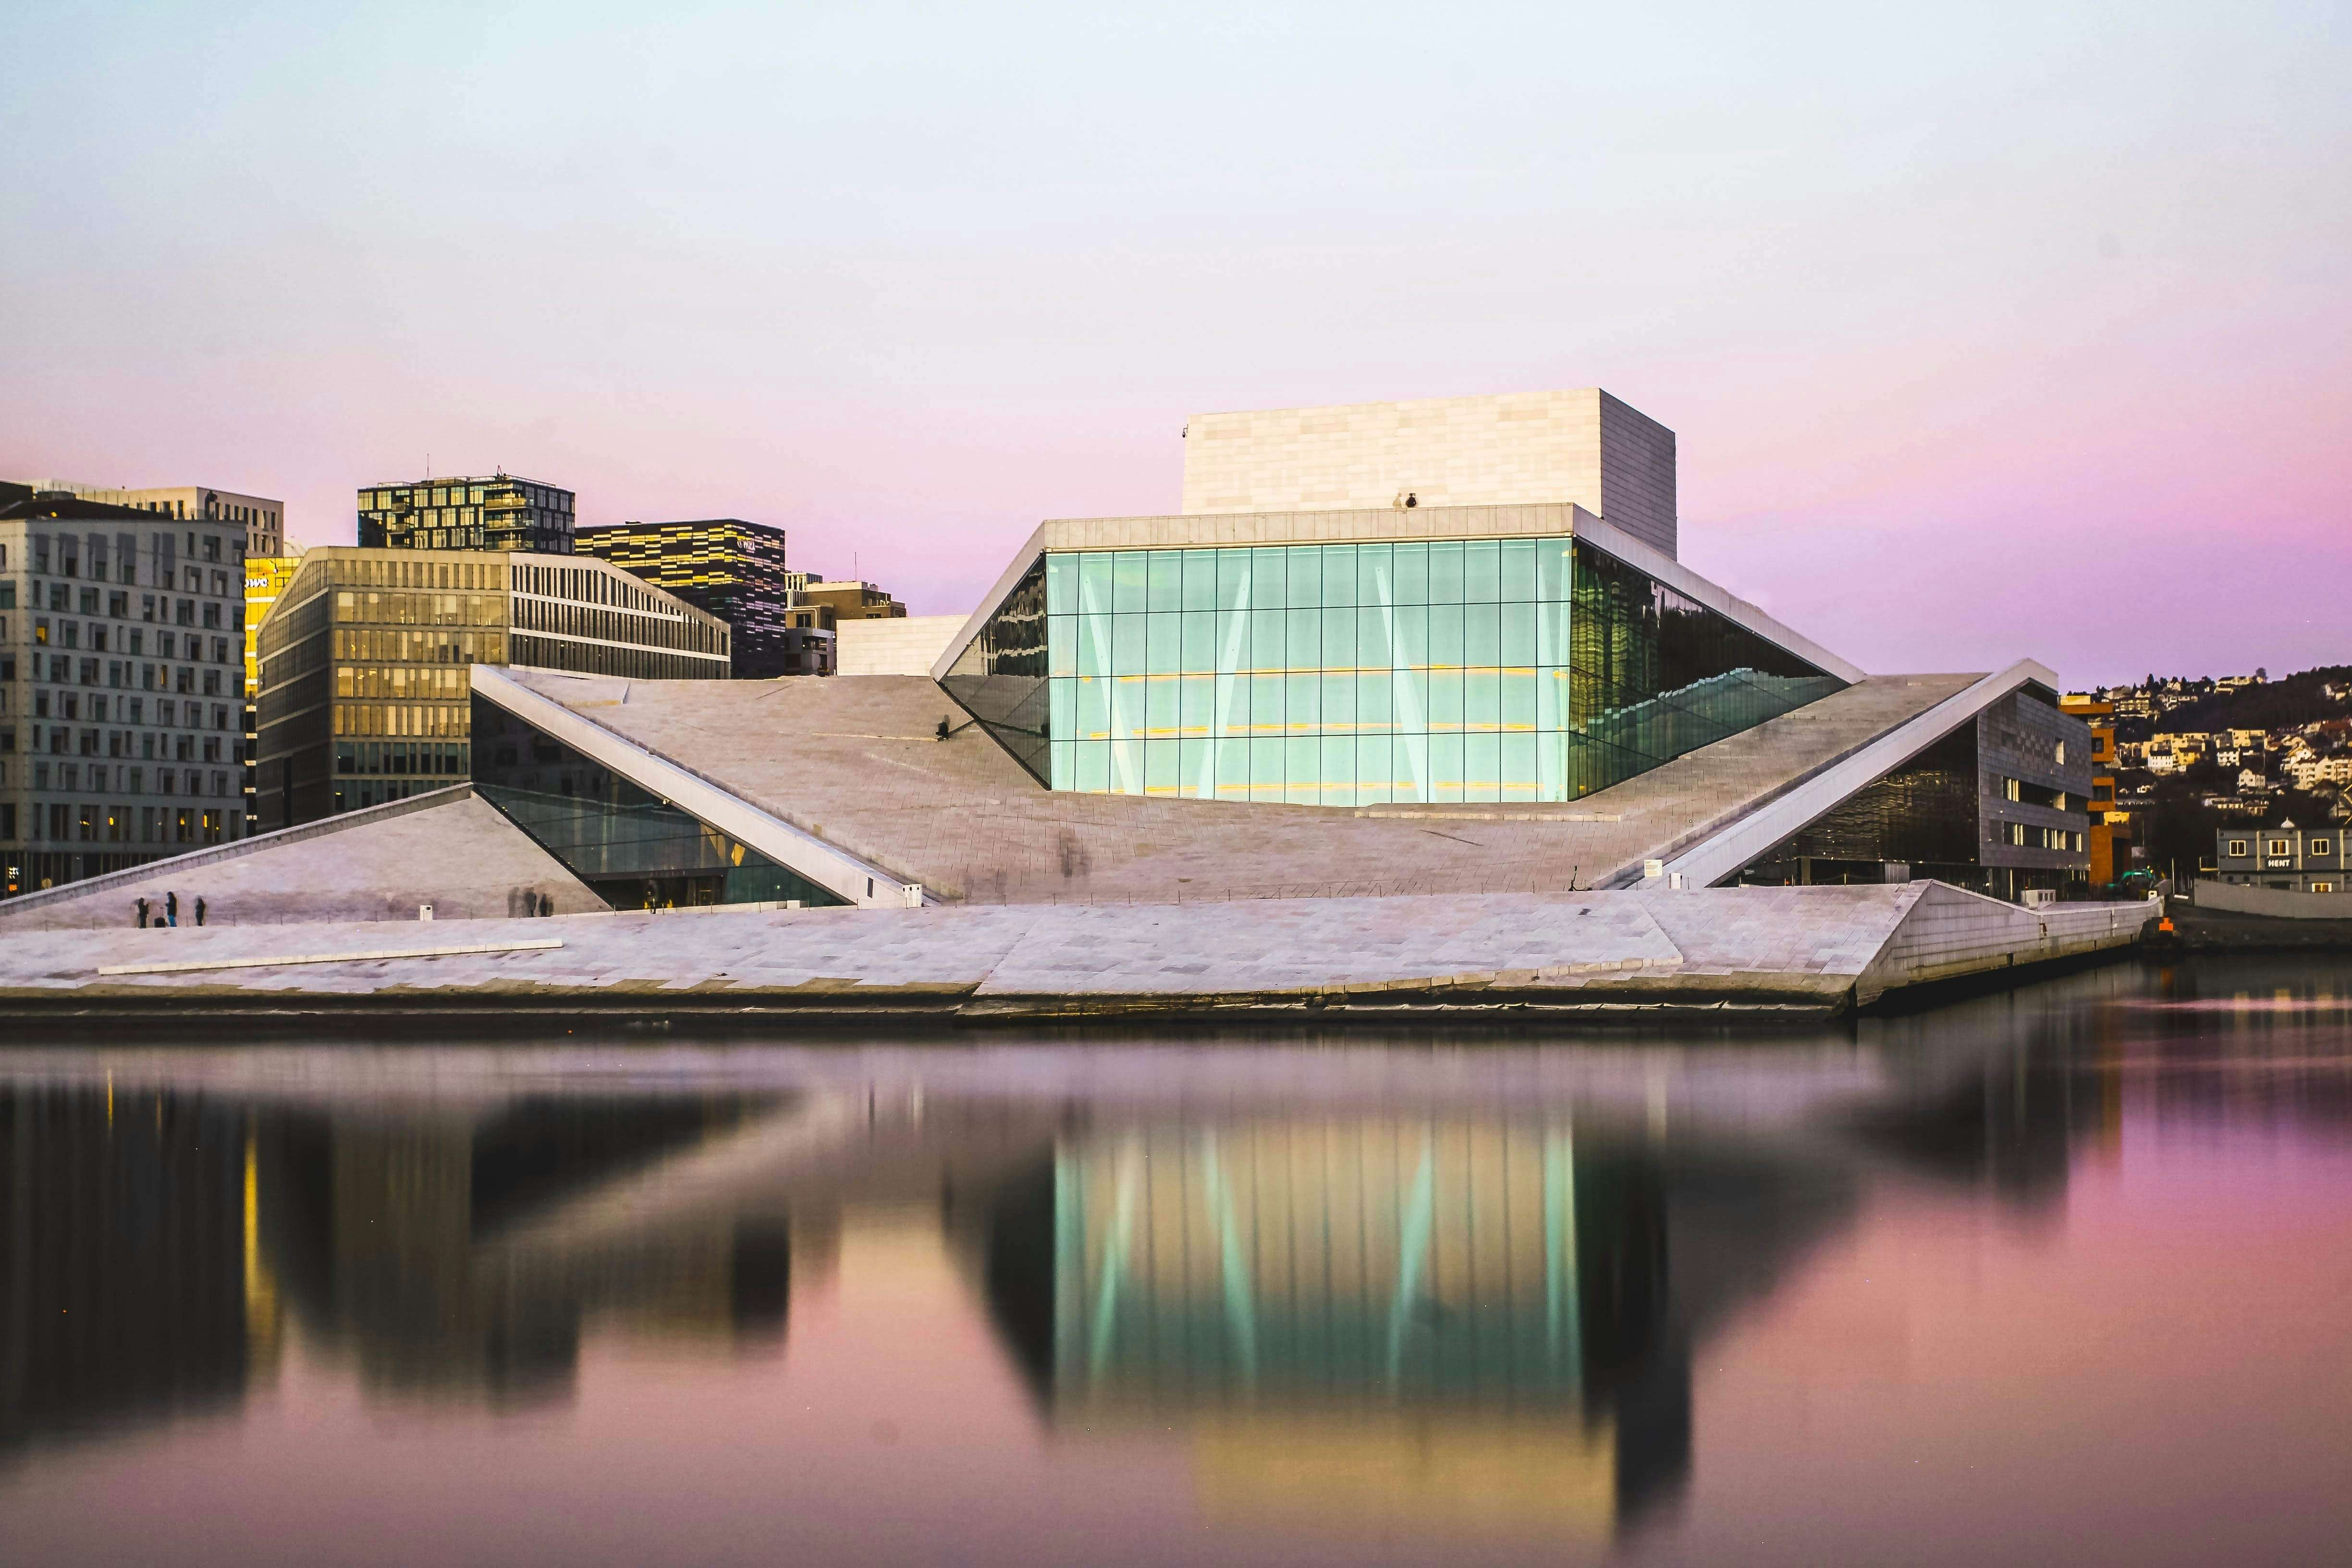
[635, 849]
[1487, 670]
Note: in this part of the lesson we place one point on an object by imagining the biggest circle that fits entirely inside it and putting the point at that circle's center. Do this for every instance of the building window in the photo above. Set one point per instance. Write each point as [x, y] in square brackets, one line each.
[2323, 887]
[2238, 847]
[2280, 846]
[2321, 847]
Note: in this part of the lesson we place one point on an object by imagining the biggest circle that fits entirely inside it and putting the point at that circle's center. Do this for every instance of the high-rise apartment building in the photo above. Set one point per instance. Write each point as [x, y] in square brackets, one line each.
[262, 518]
[366, 662]
[120, 703]
[500, 512]
[729, 567]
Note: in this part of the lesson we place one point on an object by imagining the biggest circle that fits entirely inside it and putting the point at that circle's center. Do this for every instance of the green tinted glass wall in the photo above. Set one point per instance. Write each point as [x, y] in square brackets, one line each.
[1321, 675]
[1492, 669]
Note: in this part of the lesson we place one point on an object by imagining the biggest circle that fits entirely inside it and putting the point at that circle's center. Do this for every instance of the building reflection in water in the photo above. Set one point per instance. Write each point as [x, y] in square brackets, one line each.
[1359, 1320]
[1414, 1306]
[389, 1234]
[132, 1285]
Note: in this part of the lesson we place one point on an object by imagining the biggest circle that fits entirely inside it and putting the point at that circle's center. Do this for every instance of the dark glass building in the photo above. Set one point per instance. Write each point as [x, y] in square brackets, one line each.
[501, 512]
[635, 848]
[733, 569]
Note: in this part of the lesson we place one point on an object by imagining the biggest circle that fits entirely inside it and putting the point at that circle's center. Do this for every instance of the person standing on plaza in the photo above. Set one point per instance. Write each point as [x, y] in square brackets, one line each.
[200, 909]
[143, 914]
[171, 909]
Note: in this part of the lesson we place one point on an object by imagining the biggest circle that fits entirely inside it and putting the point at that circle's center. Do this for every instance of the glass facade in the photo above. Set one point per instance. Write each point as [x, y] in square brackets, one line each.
[1482, 669]
[1653, 675]
[365, 663]
[636, 850]
[733, 569]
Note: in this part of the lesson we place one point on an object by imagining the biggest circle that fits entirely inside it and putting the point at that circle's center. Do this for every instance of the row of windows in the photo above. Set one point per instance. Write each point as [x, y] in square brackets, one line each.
[2026, 836]
[61, 671]
[420, 609]
[1303, 576]
[402, 758]
[123, 824]
[65, 598]
[2037, 794]
[186, 613]
[409, 572]
[69, 705]
[72, 550]
[1415, 702]
[1358, 641]
[2276, 848]
[587, 585]
[420, 647]
[473, 492]
[608, 658]
[192, 782]
[617, 626]
[403, 682]
[403, 720]
[1359, 769]
[146, 744]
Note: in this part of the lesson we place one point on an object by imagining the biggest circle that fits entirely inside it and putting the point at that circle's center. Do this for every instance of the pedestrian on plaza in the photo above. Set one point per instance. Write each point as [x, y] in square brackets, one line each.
[171, 909]
[143, 914]
[200, 909]
[547, 906]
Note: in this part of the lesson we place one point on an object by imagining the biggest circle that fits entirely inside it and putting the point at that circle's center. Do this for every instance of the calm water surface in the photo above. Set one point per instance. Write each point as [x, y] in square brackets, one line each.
[2062, 1275]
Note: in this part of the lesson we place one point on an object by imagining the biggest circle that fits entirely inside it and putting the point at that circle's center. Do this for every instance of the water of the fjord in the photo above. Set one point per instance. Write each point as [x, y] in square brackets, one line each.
[2058, 1275]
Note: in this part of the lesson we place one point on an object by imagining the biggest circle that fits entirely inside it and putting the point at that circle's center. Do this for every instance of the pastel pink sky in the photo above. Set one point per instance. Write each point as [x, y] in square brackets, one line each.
[2004, 331]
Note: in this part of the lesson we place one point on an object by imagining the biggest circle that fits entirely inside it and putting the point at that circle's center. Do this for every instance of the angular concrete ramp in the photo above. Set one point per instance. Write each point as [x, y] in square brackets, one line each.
[445, 849]
[1726, 954]
[856, 763]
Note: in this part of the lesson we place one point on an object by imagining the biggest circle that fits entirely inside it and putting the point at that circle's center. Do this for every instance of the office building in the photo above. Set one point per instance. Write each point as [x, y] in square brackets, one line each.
[497, 512]
[120, 630]
[366, 661]
[731, 568]
[261, 518]
[849, 601]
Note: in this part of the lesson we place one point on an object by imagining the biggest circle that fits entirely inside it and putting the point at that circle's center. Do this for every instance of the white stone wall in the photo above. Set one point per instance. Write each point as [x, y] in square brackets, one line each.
[903, 645]
[1511, 450]
[2286, 903]
[1950, 931]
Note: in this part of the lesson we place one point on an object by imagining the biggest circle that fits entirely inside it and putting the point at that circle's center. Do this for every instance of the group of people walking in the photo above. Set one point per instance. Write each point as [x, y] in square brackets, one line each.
[169, 914]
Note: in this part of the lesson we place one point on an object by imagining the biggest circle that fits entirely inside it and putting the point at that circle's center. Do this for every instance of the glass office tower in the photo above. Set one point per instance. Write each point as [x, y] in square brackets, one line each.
[1470, 669]
[729, 567]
